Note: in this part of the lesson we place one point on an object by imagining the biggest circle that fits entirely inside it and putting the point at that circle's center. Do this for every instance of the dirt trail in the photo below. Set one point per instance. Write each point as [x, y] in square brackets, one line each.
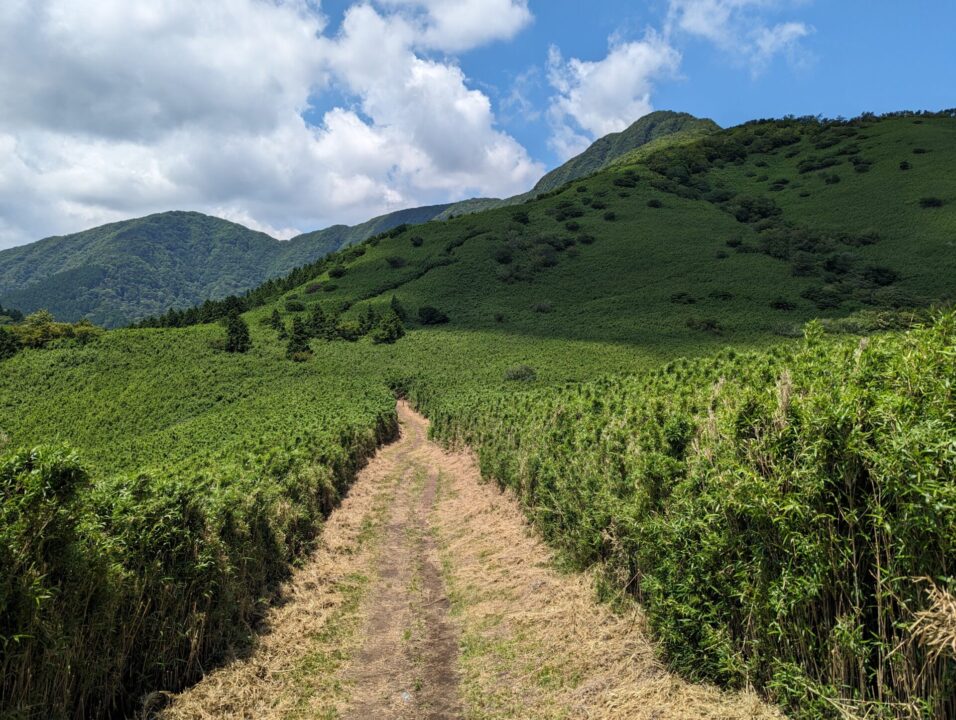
[431, 598]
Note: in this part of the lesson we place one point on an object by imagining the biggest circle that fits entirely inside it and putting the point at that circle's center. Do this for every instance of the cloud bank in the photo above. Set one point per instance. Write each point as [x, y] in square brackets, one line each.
[113, 109]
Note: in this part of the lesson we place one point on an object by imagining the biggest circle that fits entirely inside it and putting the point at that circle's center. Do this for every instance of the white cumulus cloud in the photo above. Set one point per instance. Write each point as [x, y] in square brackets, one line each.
[456, 25]
[111, 109]
[739, 28]
[594, 98]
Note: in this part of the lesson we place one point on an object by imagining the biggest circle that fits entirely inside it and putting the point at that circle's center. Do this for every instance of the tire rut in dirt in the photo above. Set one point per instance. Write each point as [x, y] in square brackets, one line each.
[407, 667]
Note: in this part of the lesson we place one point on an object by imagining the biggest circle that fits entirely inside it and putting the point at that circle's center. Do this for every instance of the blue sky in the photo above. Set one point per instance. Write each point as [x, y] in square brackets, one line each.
[861, 56]
[292, 115]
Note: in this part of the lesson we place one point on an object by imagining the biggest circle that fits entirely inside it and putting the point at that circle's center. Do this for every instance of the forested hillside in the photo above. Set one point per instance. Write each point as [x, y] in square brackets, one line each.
[122, 272]
[629, 352]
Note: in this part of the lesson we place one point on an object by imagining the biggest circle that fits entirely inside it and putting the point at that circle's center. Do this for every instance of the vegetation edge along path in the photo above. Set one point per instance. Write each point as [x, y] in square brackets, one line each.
[463, 572]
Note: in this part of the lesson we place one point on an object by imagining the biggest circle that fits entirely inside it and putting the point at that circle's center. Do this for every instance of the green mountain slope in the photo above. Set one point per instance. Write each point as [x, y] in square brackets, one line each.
[121, 272]
[128, 269]
[651, 127]
[657, 128]
[118, 273]
[785, 221]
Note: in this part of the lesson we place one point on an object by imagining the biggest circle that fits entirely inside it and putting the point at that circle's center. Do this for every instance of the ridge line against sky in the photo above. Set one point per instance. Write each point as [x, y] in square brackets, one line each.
[293, 115]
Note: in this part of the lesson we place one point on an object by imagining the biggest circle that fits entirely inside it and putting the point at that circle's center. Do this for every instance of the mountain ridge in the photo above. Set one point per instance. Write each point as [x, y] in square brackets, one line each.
[121, 272]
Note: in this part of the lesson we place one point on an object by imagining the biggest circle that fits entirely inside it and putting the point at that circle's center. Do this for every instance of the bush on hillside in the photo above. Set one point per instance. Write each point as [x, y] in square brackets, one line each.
[777, 514]
[337, 271]
[389, 329]
[783, 304]
[237, 334]
[294, 306]
[930, 202]
[297, 348]
[395, 262]
[9, 343]
[40, 329]
[428, 315]
[520, 373]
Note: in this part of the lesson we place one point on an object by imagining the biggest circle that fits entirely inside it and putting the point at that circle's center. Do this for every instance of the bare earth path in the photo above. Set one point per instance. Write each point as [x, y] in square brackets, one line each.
[431, 598]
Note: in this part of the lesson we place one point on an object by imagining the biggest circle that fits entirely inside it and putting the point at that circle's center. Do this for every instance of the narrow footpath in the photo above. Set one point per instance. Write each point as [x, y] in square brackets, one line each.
[430, 597]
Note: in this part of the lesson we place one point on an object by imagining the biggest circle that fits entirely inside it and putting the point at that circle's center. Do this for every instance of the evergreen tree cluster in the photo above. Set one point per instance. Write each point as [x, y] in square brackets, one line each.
[382, 327]
[8, 315]
[237, 334]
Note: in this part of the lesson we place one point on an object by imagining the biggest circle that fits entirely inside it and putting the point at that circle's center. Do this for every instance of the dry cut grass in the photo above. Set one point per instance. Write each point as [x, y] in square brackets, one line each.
[536, 643]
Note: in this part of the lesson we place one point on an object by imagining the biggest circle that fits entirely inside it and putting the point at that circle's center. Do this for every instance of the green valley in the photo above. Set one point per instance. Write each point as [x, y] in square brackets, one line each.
[714, 366]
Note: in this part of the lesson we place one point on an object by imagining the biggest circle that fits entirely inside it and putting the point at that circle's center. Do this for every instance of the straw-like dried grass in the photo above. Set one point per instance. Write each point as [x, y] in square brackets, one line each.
[545, 647]
[935, 627]
[534, 643]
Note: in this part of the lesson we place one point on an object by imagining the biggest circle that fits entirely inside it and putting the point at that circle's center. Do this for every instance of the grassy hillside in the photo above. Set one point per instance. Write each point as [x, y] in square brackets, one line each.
[736, 239]
[651, 127]
[686, 252]
[657, 128]
[129, 269]
[119, 273]
[122, 272]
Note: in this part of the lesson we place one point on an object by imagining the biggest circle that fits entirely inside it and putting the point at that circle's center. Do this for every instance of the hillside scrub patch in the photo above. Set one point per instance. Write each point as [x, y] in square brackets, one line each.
[931, 202]
[772, 511]
[428, 315]
[520, 373]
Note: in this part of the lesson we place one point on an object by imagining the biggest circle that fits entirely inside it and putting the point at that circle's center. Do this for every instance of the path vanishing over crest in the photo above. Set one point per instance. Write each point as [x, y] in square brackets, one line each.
[430, 597]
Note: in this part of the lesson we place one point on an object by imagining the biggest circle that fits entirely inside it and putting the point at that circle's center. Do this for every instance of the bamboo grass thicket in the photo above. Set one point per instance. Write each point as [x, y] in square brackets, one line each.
[774, 511]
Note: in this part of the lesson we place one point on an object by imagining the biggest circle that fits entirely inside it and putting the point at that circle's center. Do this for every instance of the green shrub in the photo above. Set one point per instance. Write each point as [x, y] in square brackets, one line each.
[504, 255]
[428, 315]
[520, 373]
[783, 304]
[9, 343]
[930, 202]
[294, 305]
[389, 329]
[395, 262]
[773, 512]
[337, 271]
[655, 203]
[237, 334]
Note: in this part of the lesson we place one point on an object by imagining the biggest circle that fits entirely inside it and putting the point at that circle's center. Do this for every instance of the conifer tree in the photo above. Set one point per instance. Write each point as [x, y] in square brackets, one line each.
[275, 320]
[389, 329]
[368, 320]
[237, 333]
[399, 309]
[298, 346]
[318, 321]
